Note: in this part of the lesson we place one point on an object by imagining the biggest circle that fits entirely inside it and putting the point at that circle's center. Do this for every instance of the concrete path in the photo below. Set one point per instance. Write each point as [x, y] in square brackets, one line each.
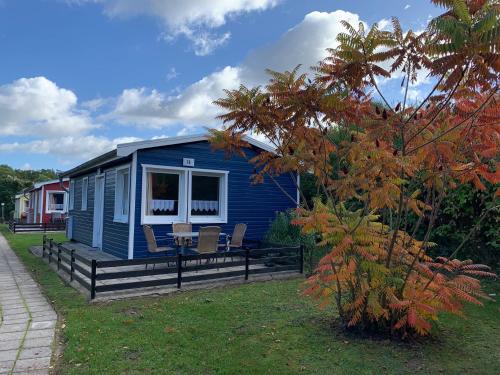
[27, 323]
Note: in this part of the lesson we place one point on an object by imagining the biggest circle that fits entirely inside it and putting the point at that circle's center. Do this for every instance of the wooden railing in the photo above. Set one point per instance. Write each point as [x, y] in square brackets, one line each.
[176, 270]
[16, 227]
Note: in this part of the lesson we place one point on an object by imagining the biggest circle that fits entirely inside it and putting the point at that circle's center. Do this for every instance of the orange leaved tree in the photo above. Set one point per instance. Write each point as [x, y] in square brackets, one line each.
[397, 159]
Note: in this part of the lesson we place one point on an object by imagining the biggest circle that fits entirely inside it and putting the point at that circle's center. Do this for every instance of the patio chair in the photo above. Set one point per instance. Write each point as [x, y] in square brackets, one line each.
[152, 244]
[182, 227]
[235, 241]
[208, 240]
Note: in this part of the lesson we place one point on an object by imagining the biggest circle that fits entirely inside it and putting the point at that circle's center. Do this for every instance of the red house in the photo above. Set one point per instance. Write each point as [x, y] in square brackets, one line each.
[48, 201]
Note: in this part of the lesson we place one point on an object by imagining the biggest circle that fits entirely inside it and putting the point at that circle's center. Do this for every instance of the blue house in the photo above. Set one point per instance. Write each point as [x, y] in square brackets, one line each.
[164, 181]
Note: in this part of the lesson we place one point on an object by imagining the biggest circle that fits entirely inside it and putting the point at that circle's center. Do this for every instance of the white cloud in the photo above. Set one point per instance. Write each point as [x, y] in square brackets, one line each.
[304, 44]
[384, 24]
[407, 6]
[191, 18]
[37, 106]
[26, 167]
[171, 74]
[81, 147]
[153, 109]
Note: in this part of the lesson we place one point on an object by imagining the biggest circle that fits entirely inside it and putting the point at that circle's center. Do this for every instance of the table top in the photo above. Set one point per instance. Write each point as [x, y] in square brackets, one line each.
[188, 234]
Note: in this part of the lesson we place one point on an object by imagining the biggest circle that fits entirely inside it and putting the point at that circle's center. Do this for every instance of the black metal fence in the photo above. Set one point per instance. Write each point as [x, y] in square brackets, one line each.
[16, 227]
[95, 275]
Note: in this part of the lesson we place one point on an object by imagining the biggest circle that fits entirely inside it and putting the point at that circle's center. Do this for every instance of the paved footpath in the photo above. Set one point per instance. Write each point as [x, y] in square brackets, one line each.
[27, 323]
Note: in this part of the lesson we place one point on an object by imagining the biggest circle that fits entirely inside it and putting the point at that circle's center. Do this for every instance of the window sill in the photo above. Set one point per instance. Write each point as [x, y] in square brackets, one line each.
[162, 219]
[207, 220]
[123, 220]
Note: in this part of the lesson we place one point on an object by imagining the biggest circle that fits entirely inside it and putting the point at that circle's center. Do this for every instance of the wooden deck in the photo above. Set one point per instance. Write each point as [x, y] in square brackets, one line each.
[116, 278]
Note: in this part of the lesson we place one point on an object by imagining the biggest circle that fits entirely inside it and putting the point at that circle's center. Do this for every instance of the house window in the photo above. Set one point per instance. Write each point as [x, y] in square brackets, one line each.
[71, 194]
[182, 194]
[122, 194]
[55, 201]
[164, 195]
[208, 196]
[205, 195]
[85, 188]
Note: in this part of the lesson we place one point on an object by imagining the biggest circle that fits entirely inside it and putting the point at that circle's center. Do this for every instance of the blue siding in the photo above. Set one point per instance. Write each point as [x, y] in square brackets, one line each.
[83, 220]
[115, 235]
[255, 205]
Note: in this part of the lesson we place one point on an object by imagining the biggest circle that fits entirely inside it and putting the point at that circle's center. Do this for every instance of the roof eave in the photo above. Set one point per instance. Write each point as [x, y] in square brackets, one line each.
[127, 149]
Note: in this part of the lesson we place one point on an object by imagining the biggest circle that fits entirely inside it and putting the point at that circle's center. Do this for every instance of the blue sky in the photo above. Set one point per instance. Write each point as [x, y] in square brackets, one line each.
[79, 76]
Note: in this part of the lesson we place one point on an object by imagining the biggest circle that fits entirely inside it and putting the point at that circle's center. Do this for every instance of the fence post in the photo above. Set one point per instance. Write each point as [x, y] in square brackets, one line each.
[72, 267]
[50, 250]
[301, 259]
[58, 256]
[44, 242]
[247, 262]
[179, 270]
[92, 279]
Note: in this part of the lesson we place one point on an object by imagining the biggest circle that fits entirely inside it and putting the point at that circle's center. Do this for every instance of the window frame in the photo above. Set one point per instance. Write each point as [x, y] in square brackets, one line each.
[118, 217]
[223, 197]
[47, 201]
[164, 219]
[185, 184]
[72, 194]
[85, 194]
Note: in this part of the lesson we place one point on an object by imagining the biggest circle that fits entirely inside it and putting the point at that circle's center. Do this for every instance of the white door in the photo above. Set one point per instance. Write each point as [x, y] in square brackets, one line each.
[98, 211]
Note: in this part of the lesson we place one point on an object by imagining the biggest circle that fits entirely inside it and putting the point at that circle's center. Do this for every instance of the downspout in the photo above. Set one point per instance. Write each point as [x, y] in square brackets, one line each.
[131, 208]
[61, 184]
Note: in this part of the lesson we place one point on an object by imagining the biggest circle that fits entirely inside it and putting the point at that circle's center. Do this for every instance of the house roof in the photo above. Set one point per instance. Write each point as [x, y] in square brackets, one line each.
[124, 150]
[38, 185]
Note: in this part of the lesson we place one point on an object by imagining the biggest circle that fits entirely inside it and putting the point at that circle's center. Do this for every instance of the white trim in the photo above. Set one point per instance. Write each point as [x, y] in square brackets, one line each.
[95, 240]
[72, 194]
[43, 183]
[125, 149]
[47, 193]
[131, 209]
[118, 217]
[184, 206]
[223, 197]
[41, 195]
[181, 209]
[86, 195]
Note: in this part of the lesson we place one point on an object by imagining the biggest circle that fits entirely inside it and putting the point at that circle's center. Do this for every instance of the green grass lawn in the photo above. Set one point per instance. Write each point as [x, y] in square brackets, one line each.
[261, 328]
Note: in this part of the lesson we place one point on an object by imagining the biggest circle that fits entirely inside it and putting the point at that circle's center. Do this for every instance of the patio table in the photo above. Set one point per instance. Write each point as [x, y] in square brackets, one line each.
[182, 249]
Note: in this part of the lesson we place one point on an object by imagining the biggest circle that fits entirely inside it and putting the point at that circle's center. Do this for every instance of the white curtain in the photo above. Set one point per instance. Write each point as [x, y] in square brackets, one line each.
[198, 205]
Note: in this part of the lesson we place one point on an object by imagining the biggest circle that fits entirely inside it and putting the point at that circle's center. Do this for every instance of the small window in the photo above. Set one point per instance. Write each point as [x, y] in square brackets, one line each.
[205, 195]
[55, 202]
[122, 194]
[208, 200]
[85, 188]
[71, 194]
[163, 194]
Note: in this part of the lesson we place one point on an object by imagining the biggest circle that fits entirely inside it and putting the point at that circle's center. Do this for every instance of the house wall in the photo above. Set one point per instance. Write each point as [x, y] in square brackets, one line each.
[255, 205]
[83, 220]
[46, 217]
[115, 235]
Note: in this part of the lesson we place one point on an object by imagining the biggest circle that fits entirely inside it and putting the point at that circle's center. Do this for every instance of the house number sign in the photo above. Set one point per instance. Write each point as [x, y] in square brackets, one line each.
[188, 162]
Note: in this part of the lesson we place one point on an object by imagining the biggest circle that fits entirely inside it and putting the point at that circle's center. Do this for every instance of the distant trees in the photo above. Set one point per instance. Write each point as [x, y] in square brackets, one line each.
[12, 181]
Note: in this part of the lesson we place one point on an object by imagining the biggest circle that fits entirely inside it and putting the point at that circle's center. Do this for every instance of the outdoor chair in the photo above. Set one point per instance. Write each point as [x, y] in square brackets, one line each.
[152, 244]
[208, 240]
[235, 241]
[182, 227]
